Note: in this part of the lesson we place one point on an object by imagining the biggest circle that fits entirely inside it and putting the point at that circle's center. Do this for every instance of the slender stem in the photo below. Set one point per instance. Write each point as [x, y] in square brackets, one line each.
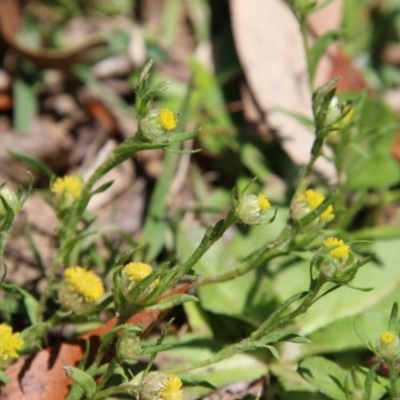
[245, 267]
[121, 389]
[46, 291]
[304, 36]
[393, 375]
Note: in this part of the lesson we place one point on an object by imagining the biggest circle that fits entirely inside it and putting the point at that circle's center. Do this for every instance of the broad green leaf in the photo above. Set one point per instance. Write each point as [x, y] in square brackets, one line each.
[292, 385]
[329, 378]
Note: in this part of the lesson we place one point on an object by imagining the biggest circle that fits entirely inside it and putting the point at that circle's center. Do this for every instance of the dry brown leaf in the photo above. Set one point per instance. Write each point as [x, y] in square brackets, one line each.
[271, 52]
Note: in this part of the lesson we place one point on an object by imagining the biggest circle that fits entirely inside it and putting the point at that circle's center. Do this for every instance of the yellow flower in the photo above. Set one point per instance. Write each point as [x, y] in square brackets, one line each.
[340, 250]
[10, 344]
[137, 271]
[85, 283]
[387, 337]
[313, 199]
[263, 202]
[167, 119]
[172, 389]
[69, 186]
[132, 274]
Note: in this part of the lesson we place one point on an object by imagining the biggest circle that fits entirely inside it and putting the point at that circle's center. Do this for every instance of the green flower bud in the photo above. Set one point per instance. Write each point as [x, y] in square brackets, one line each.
[335, 110]
[11, 199]
[157, 125]
[128, 346]
[251, 209]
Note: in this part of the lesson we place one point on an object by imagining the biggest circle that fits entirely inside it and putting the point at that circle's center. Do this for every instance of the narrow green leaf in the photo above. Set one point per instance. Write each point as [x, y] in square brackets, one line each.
[4, 378]
[173, 301]
[33, 163]
[393, 317]
[84, 380]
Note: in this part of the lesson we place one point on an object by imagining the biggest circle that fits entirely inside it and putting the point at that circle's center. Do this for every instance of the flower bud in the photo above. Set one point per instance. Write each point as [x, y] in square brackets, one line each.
[157, 125]
[10, 345]
[308, 202]
[128, 346]
[132, 274]
[337, 266]
[388, 345]
[251, 209]
[334, 111]
[10, 198]
[80, 289]
[159, 386]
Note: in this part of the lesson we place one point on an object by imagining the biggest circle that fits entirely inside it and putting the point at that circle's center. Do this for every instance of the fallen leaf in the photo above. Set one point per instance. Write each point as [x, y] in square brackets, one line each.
[271, 52]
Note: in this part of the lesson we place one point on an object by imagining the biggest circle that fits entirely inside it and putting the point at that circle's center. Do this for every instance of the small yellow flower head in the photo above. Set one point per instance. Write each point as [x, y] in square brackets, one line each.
[136, 271]
[132, 274]
[388, 345]
[157, 125]
[69, 187]
[312, 200]
[159, 386]
[10, 344]
[10, 198]
[340, 251]
[167, 119]
[80, 289]
[252, 209]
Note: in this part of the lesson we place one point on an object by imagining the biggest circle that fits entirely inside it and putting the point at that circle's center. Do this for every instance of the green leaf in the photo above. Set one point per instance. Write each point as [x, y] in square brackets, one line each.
[84, 380]
[30, 302]
[320, 46]
[24, 103]
[325, 375]
[330, 379]
[173, 301]
[33, 163]
[4, 378]
[393, 317]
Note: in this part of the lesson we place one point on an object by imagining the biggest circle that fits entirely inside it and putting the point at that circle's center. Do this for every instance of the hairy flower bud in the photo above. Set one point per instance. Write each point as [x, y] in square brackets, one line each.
[157, 125]
[159, 386]
[388, 345]
[10, 197]
[251, 209]
[128, 346]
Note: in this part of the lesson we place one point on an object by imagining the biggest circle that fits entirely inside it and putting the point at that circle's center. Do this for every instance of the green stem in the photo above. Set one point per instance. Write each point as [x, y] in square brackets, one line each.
[247, 265]
[304, 36]
[121, 389]
[393, 375]
[46, 291]
[212, 234]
